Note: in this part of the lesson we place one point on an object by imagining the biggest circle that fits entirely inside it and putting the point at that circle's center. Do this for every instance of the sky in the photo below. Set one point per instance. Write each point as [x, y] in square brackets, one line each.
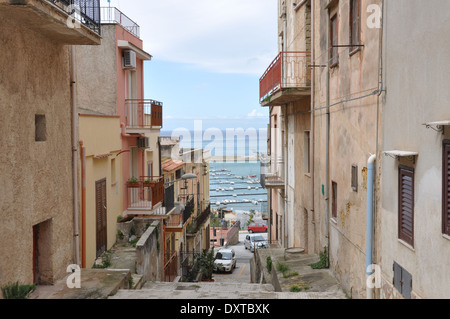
[208, 57]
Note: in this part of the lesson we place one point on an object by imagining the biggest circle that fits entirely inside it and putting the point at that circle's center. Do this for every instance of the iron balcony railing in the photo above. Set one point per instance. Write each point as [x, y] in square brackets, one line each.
[272, 172]
[87, 12]
[142, 113]
[115, 16]
[288, 70]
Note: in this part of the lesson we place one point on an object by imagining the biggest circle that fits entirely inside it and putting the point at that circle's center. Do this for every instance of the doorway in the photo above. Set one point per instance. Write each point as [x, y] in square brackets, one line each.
[42, 253]
[101, 226]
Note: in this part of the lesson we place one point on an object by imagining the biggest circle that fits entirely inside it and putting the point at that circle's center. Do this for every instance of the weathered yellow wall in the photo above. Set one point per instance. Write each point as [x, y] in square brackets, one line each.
[101, 135]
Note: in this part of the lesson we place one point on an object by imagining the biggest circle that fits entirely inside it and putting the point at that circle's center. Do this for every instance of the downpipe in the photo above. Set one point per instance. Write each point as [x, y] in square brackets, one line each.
[369, 223]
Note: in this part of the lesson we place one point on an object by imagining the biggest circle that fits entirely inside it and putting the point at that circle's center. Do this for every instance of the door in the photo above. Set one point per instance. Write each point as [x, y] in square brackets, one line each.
[101, 228]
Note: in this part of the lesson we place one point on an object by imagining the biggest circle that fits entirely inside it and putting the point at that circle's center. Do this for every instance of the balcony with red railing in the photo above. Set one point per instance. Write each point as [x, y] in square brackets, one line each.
[142, 115]
[287, 79]
[145, 196]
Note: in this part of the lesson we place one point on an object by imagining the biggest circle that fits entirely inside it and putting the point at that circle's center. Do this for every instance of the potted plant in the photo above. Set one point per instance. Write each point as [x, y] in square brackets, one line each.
[206, 264]
[148, 183]
[133, 182]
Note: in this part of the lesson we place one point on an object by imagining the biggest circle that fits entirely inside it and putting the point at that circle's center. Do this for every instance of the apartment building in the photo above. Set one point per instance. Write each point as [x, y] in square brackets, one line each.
[119, 129]
[377, 143]
[37, 126]
[285, 87]
[322, 90]
[413, 210]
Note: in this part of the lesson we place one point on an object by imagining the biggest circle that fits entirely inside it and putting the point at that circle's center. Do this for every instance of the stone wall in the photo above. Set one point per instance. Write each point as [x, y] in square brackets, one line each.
[149, 254]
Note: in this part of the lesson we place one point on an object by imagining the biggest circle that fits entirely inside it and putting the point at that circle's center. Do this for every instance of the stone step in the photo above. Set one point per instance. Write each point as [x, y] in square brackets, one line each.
[217, 291]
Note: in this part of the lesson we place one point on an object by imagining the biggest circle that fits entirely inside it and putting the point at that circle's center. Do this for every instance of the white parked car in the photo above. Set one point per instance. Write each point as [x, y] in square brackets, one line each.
[255, 241]
[225, 260]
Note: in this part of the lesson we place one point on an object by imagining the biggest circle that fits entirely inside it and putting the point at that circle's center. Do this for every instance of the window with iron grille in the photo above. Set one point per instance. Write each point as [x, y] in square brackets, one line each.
[446, 188]
[406, 205]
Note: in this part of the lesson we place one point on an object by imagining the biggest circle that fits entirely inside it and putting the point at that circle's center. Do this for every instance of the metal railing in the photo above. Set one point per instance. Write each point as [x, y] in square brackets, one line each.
[87, 12]
[145, 193]
[141, 113]
[272, 172]
[287, 70]
[115, 16]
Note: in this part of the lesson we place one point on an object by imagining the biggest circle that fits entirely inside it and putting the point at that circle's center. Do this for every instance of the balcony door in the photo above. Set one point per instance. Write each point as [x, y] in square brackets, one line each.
[133, 105]
[100, 208]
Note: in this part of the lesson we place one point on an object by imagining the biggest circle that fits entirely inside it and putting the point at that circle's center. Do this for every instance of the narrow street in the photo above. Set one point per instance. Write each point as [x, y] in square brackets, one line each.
[241, 274]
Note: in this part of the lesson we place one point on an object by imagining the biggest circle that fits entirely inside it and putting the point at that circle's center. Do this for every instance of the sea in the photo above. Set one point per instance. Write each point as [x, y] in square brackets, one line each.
[234, 186]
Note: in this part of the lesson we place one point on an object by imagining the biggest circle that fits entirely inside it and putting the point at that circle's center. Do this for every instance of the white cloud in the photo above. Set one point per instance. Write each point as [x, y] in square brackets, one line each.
[255, 113]
[224, 36]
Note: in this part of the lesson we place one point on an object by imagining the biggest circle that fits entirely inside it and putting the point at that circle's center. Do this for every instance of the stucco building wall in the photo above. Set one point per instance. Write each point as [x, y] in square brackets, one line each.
[417, 93]
[36, 177]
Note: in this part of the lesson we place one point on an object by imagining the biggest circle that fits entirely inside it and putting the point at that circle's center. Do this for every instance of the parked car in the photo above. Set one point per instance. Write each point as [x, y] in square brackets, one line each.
[255, 241]
[225, 260]
[257, 228]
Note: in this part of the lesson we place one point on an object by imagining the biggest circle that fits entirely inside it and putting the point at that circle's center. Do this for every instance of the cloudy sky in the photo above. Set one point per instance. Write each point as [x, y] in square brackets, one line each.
[208, 56]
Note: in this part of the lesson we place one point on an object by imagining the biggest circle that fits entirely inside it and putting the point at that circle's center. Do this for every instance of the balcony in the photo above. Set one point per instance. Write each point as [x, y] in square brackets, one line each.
[146, 196]
[111, 15]
[67, 22]
[272, 174]
[177, 222]
[200, 220]
[287, 79]
[143, 115]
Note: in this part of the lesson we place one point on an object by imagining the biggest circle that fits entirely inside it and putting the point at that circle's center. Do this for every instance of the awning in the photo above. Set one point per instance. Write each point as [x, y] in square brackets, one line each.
[141, 54]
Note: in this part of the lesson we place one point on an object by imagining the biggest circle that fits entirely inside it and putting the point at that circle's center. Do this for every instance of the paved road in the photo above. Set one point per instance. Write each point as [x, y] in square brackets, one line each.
[242, 272]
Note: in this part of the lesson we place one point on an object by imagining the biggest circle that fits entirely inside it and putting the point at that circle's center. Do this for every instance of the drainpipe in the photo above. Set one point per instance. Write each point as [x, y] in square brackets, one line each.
[369, 231]
[312, 133]
[327, 144]
[74, 154]
[83, 205]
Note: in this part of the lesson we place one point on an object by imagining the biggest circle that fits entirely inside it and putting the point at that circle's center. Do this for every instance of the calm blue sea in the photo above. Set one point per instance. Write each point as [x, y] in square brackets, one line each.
[233, 185]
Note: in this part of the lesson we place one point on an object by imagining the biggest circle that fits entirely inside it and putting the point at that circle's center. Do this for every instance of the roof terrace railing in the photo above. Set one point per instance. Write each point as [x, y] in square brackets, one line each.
[115, 16]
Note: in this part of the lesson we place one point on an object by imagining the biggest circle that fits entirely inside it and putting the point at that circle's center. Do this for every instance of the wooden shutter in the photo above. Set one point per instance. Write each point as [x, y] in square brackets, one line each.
[334, 40]
[402, 281]
[100, 207]
[446, 188]
[406, 205]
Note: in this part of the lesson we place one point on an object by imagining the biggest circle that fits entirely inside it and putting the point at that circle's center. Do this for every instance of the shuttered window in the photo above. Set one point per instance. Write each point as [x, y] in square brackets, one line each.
[446, 188]
[406, 205]
[355, 23]
[334, 55]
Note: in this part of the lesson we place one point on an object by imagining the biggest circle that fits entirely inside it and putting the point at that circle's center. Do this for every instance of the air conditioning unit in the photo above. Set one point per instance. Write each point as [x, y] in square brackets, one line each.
[129, 60]
[143, 142]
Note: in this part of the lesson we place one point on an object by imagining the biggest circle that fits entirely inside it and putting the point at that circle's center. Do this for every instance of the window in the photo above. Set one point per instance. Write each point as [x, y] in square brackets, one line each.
[334, 54]
[40, 128]
[406, 205]
[355, 178]
[307, 152]
[355, 24]
[334, 200]
[446, 188]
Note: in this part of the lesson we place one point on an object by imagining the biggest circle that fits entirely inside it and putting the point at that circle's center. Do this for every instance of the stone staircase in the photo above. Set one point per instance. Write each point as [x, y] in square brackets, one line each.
[214, 290]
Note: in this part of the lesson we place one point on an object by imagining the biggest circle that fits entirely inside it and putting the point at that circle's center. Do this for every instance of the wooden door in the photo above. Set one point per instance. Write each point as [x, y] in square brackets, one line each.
[101, 228]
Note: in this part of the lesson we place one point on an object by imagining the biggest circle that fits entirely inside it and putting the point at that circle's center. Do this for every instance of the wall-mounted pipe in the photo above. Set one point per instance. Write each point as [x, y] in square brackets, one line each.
[83, 204]
[369, 217]
[74, 153]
